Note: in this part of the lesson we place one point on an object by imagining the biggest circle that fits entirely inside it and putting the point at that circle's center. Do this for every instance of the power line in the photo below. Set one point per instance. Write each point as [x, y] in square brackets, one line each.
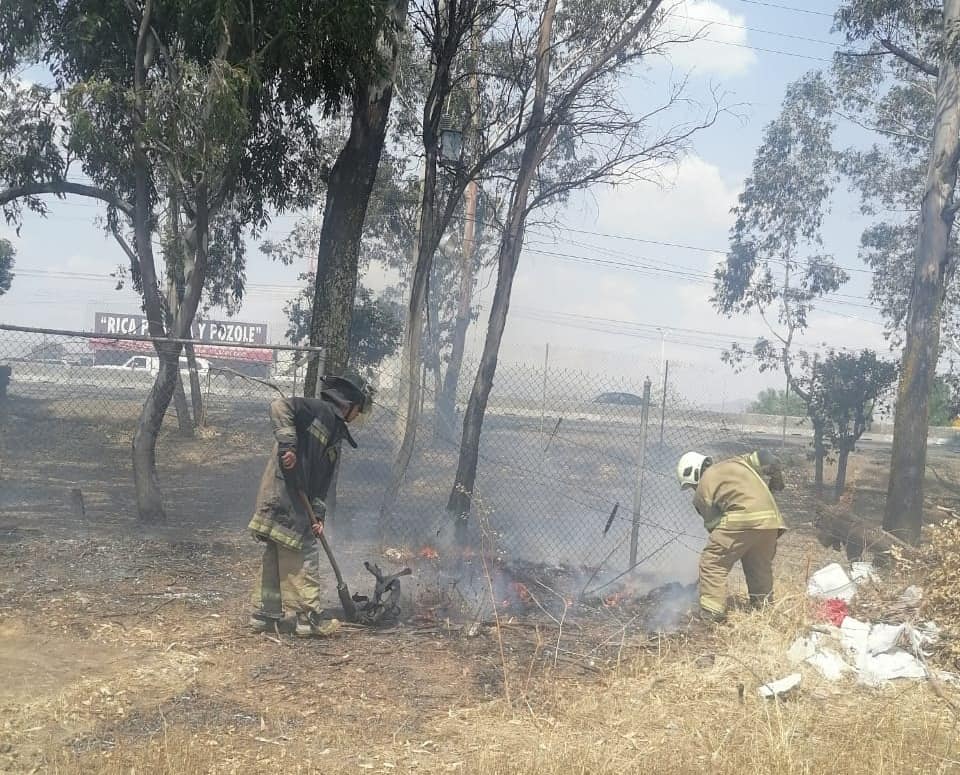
[766, 50]
[761, 31]
[681, 246]
[794, 9]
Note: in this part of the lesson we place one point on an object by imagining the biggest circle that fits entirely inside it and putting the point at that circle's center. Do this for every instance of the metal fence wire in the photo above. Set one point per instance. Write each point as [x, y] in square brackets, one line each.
[575, 468]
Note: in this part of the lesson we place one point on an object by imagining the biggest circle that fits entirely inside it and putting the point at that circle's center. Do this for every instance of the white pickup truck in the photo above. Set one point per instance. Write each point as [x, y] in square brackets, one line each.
[150, 364]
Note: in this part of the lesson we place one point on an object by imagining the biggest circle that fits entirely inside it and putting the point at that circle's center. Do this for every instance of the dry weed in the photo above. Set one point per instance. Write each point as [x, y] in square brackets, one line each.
[695, 708]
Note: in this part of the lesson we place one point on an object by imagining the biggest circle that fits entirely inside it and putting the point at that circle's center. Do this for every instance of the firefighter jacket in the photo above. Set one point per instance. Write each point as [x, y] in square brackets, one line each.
[733, 494]
[313, 428]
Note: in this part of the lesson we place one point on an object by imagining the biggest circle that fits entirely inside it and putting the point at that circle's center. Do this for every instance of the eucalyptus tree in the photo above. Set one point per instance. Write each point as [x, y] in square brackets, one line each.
[190, 121]
[572, 132]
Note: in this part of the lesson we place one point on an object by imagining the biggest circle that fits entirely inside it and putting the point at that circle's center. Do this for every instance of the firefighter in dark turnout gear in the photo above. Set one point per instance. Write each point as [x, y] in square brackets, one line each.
[308, 432]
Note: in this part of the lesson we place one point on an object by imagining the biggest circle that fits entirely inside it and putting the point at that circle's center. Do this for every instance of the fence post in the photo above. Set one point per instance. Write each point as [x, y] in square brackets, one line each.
[543, 397]
[638, 491]
[663, 398]
[202, 419]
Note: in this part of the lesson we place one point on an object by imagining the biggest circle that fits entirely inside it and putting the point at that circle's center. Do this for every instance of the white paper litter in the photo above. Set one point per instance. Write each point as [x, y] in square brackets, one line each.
[883, 637]
[876, 653]
[830, 664]
[832, 582]
[780, 687]
[863, 571]
[811, 651]
[803, 648]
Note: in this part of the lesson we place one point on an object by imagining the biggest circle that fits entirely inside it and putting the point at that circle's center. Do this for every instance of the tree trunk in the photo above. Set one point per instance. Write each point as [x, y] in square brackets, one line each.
[196, 390]
[819, 453]
[841, 482]
[410, 374]
[461, 495]
[146, 481]
[348, 195]
[904, 509]
[434, 361]
[446, 421]
[184, 421]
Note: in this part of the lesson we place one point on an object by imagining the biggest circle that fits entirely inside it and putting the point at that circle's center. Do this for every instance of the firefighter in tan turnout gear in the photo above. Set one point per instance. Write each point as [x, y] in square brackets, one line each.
[307, 433]
[735, 499]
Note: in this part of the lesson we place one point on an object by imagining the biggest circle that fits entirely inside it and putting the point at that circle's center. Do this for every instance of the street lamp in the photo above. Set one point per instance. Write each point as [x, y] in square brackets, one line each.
[451, 145]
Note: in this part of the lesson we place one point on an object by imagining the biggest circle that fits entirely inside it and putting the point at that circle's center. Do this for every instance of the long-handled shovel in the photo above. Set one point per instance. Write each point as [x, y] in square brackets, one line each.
[349, 607]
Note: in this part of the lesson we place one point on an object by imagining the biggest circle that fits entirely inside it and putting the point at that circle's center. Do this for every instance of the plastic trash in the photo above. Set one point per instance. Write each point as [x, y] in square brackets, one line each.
[863, 571]
[803, 648]
[854, 635]
[830, 664]
[780, 687]
[877, 669]
[832, 582]
[884, 637]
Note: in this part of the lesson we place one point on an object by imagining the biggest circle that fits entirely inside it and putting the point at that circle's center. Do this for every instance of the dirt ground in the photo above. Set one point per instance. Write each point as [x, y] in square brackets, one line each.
[126, 651]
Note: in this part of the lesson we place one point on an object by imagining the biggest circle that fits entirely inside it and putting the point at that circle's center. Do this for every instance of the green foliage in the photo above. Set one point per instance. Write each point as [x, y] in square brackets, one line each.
[226, 116]
[775, 265]
[7, 254]
[941, 406]
[771, 401]
[375, 333]
[845, 388]
[894, 99]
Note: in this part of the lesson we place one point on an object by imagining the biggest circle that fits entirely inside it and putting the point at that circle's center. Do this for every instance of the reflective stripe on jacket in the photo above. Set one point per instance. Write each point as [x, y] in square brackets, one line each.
[312, 427]
[734, 494]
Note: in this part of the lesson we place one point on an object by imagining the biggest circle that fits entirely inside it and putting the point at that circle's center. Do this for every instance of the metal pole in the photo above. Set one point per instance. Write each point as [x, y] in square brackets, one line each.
[543, 397]
[663, 398]
[296, 368]
[786, 399]
[206, 402]
[638, 491]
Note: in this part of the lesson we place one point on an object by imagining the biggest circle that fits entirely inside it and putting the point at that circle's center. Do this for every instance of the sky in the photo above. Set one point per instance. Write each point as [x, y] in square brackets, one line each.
[610, 288]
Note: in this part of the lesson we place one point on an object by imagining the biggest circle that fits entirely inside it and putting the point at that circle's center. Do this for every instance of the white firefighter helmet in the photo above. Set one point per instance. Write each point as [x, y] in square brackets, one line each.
[689, 468]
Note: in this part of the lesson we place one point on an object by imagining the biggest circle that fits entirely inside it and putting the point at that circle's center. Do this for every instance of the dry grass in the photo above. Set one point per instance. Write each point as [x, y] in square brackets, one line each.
[684, 704]
[681, 711]
[201, 695]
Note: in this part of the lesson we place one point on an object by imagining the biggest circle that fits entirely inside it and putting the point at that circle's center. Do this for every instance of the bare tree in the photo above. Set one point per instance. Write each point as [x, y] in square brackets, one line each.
[574, 134]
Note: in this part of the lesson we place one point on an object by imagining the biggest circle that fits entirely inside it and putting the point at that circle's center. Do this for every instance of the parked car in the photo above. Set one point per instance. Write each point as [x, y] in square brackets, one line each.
[626, 399]
[150, 364]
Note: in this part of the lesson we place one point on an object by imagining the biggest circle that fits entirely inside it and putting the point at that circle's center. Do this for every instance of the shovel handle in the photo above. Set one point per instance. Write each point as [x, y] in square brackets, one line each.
[305, 502]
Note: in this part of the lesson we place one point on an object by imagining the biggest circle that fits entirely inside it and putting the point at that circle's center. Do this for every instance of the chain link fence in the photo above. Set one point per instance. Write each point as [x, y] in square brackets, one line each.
[575, 468]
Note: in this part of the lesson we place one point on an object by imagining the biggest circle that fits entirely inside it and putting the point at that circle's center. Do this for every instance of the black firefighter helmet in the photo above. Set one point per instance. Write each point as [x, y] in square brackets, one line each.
[349, 390]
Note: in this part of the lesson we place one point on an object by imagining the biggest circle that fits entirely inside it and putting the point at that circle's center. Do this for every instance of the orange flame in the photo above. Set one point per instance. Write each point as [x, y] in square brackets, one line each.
[611, 601]
[429, 553]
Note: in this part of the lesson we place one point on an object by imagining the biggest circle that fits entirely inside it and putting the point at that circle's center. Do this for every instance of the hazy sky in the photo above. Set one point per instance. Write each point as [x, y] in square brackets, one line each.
[601, 314]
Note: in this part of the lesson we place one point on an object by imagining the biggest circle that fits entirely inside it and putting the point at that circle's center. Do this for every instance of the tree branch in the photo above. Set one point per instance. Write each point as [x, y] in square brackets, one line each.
[911, 59]
[59, 188]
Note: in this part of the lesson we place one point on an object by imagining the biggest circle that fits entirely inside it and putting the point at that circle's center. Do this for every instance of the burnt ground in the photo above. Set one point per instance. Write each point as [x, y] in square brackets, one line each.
[125, 645]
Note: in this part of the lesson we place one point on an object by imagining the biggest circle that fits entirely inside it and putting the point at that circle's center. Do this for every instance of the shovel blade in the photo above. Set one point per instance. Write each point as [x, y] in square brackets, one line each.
[349, 607]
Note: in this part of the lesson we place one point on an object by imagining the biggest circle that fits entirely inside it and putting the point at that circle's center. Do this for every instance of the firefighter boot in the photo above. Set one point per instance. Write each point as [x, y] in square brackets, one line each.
[310, 625]
[262, 622]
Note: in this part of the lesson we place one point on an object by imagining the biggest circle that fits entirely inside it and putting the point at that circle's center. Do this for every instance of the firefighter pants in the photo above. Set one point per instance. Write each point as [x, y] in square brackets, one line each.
[755, 550]
[288, 579]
